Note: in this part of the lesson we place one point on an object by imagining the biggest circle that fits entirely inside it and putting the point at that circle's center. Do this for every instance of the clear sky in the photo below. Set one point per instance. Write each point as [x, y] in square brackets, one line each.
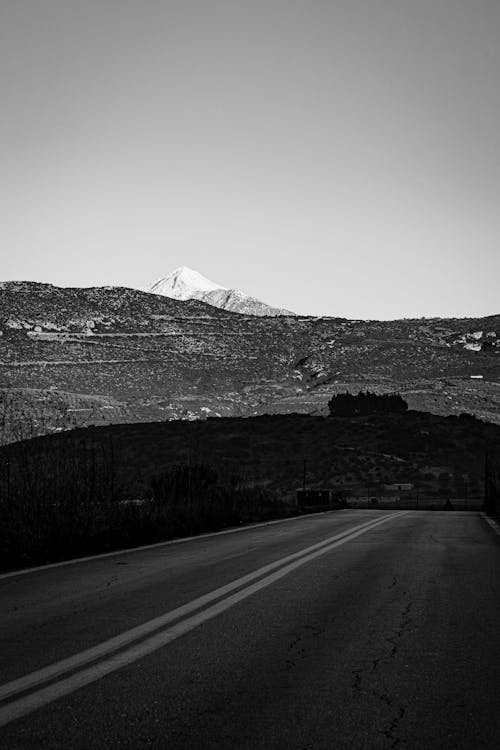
[335, 157]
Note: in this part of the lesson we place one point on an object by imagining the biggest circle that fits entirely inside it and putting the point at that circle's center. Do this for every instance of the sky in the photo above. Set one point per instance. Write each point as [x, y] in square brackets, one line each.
[333, 157]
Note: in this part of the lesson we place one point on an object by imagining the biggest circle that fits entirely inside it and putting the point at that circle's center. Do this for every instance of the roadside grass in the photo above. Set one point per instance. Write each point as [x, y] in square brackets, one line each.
[73, 510]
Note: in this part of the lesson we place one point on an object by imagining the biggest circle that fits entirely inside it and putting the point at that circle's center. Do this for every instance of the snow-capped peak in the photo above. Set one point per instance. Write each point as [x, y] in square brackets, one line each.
[183, 283]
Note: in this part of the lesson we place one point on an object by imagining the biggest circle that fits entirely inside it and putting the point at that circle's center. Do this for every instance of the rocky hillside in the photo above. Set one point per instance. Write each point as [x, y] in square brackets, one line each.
[73, 357]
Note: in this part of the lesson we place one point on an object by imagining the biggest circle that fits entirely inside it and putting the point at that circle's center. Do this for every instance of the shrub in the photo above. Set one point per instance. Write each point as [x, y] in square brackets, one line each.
[347, 404]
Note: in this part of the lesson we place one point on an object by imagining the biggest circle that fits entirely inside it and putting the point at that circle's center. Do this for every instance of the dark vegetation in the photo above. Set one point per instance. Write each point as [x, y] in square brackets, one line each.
[65, 504]
[96, 489]
[492, 484]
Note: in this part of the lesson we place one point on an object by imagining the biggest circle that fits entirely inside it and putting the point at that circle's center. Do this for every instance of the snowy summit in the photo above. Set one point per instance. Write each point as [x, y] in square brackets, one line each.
[184, 283]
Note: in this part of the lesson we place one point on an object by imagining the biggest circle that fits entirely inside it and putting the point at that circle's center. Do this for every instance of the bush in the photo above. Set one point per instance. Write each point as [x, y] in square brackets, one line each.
[348, 405]
[53, 510]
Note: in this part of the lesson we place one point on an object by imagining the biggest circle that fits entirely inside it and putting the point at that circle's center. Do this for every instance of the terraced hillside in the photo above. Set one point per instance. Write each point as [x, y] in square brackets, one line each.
[74, 357]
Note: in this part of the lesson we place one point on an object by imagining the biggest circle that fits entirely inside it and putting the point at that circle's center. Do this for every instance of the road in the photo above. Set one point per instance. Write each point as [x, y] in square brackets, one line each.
[351, 629]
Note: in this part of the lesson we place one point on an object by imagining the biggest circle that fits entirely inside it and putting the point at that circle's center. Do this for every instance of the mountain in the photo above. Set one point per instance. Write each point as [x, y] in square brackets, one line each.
[77, 357]
[184, 284]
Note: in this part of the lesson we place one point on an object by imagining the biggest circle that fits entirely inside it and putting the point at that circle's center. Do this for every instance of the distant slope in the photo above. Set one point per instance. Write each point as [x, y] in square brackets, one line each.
[73, 357]
[26, 304]
[440, 456]
[184, 284]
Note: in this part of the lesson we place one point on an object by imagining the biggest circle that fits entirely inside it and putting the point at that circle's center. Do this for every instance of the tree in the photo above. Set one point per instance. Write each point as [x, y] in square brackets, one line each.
[348, 404]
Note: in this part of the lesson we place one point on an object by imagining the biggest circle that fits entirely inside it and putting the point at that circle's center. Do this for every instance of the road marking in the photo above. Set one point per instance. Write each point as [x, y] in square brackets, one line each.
[180, 540]
[119, 641]
[494, 525]
[113, 661]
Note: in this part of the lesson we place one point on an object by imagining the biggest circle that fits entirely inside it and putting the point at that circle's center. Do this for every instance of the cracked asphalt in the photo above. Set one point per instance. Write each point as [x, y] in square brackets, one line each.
[391, 640]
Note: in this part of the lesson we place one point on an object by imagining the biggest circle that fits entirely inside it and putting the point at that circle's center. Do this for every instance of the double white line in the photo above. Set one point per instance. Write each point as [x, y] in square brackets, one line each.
[25, 694]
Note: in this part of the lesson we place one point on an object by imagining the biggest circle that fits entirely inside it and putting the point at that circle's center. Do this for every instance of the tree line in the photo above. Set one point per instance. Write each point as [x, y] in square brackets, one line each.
[349, 404]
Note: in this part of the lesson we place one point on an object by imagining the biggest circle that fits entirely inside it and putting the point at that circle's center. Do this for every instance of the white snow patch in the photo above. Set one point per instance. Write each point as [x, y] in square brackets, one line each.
[183, 284]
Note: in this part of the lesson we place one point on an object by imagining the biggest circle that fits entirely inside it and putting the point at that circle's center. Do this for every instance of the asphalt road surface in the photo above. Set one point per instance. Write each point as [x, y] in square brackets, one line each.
[350, 629]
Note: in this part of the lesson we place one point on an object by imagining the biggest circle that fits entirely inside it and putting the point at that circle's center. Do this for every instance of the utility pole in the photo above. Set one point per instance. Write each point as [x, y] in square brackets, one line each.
[304, 475]
[8, 481]
[189, 497]
[112, 467]
[486, 481]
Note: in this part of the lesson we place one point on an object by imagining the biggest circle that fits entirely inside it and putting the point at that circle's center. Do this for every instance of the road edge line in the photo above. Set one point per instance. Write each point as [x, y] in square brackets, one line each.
[491, 521]
[154, 545]
[125, 639]
[47, 694]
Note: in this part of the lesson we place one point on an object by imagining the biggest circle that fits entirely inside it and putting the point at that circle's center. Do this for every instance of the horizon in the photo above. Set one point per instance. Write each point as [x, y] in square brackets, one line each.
[296, 315]
[336, 160]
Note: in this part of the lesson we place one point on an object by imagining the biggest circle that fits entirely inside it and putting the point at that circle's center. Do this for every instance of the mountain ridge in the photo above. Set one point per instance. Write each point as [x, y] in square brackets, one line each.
[183, 283]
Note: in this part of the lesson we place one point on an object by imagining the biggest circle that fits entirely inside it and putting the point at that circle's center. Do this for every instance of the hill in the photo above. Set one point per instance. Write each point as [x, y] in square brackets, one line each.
[74, 357]
[90, 490]
[358, 454]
